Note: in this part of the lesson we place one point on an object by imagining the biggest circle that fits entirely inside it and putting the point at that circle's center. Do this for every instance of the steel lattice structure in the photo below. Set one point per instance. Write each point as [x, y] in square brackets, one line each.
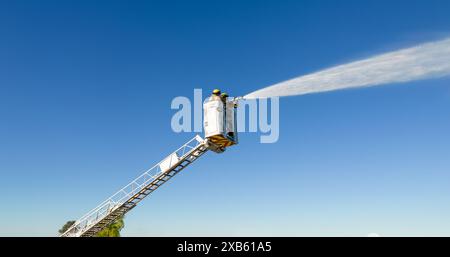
[126, 198]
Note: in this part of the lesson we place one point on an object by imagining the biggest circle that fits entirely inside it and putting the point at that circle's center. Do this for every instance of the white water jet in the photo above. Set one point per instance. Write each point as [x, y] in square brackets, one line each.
[425, 61]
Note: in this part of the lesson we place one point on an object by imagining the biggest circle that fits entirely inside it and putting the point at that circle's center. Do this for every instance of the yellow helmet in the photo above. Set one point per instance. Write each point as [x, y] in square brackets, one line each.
[224, 95]
[216, 92]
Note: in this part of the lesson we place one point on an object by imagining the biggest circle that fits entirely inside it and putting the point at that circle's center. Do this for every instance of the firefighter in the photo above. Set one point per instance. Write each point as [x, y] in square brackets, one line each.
[228, 116]
[216, 95]
[224, 97]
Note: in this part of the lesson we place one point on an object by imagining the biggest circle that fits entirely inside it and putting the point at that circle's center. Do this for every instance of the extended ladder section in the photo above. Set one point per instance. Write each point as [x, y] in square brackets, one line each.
[127, 198]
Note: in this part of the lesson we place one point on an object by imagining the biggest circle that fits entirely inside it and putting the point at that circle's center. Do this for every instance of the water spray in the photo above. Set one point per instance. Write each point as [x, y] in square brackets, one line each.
[425, 61]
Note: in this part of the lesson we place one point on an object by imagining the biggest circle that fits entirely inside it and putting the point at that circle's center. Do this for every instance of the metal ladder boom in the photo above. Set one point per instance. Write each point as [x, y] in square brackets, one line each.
[127, 197]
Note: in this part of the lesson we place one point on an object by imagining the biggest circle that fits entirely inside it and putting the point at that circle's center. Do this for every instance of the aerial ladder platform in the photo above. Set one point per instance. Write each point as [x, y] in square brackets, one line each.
[220, 133]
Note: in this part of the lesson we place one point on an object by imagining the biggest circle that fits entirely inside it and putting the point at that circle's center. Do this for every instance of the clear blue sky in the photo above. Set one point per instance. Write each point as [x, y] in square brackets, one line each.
[85, 92]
